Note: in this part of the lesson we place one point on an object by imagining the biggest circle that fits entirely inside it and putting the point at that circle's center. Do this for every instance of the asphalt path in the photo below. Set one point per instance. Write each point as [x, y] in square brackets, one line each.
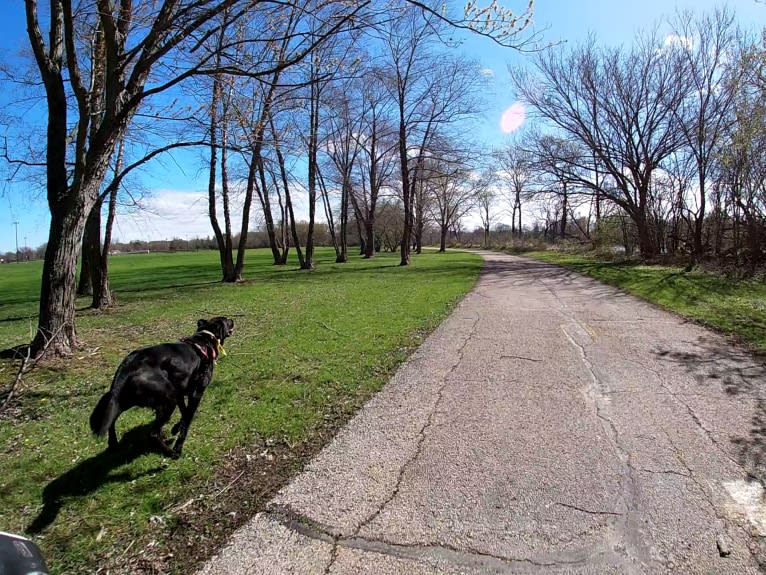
[551, 424]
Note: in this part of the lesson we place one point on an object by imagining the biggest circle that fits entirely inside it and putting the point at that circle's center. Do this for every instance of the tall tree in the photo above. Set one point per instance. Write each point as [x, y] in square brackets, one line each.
[409, 37]
[702, 47]
[618, 104]
[374, 164]
[515, 166]
[342, 146]
[454, 194]
[133, 44]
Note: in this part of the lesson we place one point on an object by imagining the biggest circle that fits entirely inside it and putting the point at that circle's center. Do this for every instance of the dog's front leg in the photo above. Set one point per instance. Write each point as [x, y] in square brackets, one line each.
[182, 427]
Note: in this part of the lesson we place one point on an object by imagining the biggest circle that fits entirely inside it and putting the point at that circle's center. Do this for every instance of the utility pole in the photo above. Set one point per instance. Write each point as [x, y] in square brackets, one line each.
[17, 240]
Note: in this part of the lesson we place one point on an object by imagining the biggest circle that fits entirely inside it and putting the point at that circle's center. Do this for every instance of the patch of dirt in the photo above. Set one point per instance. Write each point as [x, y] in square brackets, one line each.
[195, 530]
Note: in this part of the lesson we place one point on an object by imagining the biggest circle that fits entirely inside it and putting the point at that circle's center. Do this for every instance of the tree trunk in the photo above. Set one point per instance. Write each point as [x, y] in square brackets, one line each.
[369, 235]
[443, 239]
[308, 262]
[699, 222]
[564, 213]
[345, 192]
[263, 196]
[646, 241]
[84, 282]
[56, 327]
[513, 221]
[406, 191]
[211, 193]
[230, 274]
[91, 248]
[328, 214]
[288, 201]
[419, 223]
[102, 296]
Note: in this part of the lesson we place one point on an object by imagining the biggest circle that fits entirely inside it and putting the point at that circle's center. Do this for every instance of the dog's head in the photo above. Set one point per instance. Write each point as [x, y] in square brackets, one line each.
[220, 327]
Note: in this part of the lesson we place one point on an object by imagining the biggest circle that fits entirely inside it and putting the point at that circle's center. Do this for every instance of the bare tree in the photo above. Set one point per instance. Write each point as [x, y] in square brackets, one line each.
[702, 46]
[486, 198]
[374, 164]
[740, 169]
[454, 194]
[133, 44]
[515, 166]
[409, 38]
[619, 105]
[342, 146]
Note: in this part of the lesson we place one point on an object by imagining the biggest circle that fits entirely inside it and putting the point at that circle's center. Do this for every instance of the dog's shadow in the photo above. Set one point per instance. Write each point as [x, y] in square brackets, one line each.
[90, 474]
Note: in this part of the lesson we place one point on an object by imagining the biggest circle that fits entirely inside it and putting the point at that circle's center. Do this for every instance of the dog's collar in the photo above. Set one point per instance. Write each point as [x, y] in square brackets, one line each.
[218, 347]
[209, 353]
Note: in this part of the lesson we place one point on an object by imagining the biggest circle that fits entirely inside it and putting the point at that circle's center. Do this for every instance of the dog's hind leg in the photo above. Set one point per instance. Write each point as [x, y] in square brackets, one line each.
[182, 427]
[162, 416]
[113, 443]
[182, 409]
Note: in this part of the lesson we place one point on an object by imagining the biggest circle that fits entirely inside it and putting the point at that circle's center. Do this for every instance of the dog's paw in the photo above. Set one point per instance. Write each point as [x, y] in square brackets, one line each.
[174, 453]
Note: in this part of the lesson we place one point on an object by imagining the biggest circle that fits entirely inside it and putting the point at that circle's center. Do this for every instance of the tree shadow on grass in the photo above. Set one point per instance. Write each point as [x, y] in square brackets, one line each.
[87, 476]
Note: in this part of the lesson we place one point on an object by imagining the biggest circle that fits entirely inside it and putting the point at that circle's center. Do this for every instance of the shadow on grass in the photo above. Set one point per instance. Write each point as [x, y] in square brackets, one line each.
[159, 286]
[87, 476]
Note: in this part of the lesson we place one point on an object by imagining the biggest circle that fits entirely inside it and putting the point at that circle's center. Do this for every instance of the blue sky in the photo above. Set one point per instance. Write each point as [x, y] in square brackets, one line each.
[176, 208]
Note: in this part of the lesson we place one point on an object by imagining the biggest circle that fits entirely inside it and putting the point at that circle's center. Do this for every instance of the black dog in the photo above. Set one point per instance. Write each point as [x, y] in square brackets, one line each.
[159, 377]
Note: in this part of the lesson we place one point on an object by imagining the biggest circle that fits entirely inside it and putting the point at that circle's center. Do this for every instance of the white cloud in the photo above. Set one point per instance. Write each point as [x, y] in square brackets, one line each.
[677, 40]
[488, 72]
[168, 214]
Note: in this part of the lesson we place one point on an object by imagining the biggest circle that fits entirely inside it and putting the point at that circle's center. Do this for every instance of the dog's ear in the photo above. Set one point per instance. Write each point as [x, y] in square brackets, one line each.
[201, 324]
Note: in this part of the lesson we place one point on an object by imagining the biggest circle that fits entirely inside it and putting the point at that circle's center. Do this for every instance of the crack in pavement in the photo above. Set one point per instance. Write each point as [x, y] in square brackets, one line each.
[723, 519]
[520, 357]
[691, 474]
[598, 390]
[464, 556]
[724, 524]
[422, 433]
[418, 448]
[589, 511]
[626, 524]
[663, 472]
[693, 414]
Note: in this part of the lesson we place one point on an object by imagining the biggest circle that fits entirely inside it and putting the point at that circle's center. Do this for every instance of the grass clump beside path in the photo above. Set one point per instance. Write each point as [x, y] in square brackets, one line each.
[735, 307]
[308, 349]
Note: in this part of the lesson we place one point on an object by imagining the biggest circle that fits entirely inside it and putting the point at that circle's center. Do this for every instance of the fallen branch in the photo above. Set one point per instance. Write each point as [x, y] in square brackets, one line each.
[27, 363]
[328, 328]
[233, 481]
[8, 394]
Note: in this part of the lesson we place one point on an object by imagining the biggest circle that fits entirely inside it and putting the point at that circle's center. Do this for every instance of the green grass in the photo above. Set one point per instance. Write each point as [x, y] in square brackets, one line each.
[308, 347]
[734, 307]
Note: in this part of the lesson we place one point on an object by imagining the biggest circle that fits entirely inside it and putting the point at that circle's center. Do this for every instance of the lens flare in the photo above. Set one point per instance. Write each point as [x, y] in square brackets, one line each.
[513, 118]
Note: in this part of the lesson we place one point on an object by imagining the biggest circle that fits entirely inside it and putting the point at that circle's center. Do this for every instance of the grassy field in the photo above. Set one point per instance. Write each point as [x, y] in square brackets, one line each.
[733, 307]
[308, 349]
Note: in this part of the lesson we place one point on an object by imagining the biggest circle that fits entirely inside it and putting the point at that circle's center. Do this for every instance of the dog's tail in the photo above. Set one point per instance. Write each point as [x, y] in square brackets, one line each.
[104, 414]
